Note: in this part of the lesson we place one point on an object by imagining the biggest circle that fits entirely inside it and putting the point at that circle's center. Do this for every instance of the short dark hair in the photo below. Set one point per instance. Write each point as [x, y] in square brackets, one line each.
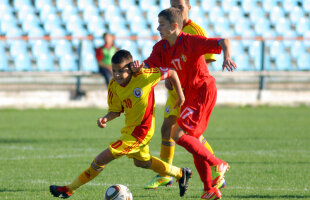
[173, 15]
[120, 56]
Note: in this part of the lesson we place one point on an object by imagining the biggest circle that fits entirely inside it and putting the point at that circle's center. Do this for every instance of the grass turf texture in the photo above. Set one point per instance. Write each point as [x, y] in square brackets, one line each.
[268, 149]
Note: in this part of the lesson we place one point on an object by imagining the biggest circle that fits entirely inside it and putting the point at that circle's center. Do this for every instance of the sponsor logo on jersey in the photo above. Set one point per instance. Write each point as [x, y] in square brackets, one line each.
[137, 92]
[168, 109]
[183, 58]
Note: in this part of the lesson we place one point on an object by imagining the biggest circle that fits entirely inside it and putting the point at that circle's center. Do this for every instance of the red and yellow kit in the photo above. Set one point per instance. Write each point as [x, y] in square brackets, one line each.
[136, 100]
[186, 56]
[194, 29]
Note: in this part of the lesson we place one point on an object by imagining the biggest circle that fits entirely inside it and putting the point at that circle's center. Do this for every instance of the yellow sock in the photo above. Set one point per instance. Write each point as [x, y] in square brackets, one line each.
[167, 151]
[162, 167]
[206, 144]
[86, 176]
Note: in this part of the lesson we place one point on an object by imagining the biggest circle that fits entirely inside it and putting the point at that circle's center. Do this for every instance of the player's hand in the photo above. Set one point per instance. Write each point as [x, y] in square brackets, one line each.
[179, 102]
[168, 84]
[102, 122]
[135, 66]
[229, 64]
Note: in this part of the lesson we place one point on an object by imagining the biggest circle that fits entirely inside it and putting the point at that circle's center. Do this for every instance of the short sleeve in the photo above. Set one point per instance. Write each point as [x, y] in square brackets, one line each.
[114, 102]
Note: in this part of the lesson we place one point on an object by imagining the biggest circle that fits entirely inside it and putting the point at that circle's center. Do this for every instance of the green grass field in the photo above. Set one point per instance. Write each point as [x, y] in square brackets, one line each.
[268, 149]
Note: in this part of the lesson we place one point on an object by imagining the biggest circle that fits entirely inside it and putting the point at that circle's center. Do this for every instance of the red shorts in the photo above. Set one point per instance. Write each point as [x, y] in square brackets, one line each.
[197, 109]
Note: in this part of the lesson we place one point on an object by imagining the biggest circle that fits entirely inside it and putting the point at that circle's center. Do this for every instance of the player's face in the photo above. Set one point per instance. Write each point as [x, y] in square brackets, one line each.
[181, 5]
[165, 28]
[122, 72]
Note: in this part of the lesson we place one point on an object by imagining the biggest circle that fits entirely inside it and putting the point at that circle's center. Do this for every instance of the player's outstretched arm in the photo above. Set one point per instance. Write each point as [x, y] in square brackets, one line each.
[228, 63]
[174, 79]
[102, 121]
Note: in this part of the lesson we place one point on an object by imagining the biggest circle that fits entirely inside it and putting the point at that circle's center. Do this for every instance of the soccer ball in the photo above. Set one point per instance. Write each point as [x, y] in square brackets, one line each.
[118, 192]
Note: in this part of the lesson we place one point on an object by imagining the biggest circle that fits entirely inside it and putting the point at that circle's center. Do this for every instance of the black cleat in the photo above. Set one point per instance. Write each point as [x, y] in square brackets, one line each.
[183, 181]
[60, 191]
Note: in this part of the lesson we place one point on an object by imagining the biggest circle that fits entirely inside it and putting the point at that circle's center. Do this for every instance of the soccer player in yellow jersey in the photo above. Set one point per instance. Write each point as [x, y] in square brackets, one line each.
[133, 94]
[171, 115]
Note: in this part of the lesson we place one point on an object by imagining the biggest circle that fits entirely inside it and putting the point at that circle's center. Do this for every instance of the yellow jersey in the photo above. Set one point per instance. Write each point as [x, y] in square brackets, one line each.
[137, 101]
[194, 29]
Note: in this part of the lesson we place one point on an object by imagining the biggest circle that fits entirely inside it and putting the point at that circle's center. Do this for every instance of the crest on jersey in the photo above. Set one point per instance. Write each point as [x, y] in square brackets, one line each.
[183, 57]
[137, 92]
[168, 109]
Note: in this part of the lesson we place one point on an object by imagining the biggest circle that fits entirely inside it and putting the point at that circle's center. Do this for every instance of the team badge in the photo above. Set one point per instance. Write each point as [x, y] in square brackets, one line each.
[183, 58]
[137, 92]
[168, 109]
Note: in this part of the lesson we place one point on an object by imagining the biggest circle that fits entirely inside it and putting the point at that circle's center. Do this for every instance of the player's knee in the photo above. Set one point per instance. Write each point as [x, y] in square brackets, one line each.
[142, 164]
[167, 126]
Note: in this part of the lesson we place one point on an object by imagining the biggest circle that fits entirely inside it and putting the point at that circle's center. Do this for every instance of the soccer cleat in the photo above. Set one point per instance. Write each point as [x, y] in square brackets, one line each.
[60, 191]
[218, 172]
[221, 184]
[183, 181]
[159, 181]
[212, 194]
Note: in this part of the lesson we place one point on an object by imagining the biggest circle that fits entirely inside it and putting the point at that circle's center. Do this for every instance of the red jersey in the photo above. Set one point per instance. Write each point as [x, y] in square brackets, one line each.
[186, 56]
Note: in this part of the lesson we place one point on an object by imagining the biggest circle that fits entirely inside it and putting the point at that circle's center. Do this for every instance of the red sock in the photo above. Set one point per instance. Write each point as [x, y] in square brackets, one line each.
[195, 147]
[204, 171]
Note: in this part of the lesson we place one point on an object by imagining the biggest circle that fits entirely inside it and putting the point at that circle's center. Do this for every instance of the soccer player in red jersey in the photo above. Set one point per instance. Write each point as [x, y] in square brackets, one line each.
[171, 115]
[185, 53]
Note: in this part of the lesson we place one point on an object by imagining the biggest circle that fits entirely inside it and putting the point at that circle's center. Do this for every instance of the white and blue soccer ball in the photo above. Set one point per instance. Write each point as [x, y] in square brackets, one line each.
[118, 192]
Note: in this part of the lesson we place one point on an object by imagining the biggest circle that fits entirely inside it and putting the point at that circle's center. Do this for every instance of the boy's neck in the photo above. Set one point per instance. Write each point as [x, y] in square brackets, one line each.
[173, 37]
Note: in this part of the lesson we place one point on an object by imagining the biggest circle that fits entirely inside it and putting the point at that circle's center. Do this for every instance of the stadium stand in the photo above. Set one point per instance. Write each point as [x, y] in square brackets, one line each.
[126, 18]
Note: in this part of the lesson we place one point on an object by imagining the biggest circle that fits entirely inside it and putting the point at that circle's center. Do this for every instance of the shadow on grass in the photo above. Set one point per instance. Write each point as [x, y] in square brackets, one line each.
[272, 197]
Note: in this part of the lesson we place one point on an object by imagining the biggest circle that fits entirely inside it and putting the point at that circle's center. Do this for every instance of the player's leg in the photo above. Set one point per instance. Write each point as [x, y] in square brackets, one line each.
[89, 174]
[167, 144]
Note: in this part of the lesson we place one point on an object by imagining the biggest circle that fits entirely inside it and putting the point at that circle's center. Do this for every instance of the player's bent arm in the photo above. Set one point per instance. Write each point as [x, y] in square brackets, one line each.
[174, 79]
[102, 121]
[228, 63]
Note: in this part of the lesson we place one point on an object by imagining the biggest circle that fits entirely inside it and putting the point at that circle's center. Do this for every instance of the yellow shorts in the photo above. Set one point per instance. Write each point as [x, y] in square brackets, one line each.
[131, 147]
[172, 97]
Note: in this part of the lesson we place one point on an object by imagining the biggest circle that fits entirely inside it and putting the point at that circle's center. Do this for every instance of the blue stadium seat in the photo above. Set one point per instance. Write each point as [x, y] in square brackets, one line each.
[208, 5]
[261, 26]
[47, 10]
[30, 23]
[137, 24]
[96, 26]
[306, 5]
[221, 26]
[255, 52]
[268, 5]
[129, 13]
[228, 4]
[297, 48]
[18, 47]
[243, 62]
[235, 14]
[68, 11]
[152, 13]
[62, 4]
[295, 14]
[283, 62]
[117, 24]
[68, 63]
[125, 4]
[306, 34]
[63, 47]
[164, 4]
[4, 64]
[112, 12]
[13, 32]
[45, 63]
[256, 14]
[82, 4]
[302, 26]
[303, 61]
[106, 5]
[22, 63]
[24, 11]
[147, 48]
[7, 26]
[89, 12]
[276, 13]
[215, 13]
[249, 5]
[40, 47]
[289, 4]
[89, 63]
[145, 5]
[242, 25]
[20, 3]
[56, 33]
[276, 48]
[39, 4]
[196, 13]
[74, 24]
[282, 26]
[289, 34]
